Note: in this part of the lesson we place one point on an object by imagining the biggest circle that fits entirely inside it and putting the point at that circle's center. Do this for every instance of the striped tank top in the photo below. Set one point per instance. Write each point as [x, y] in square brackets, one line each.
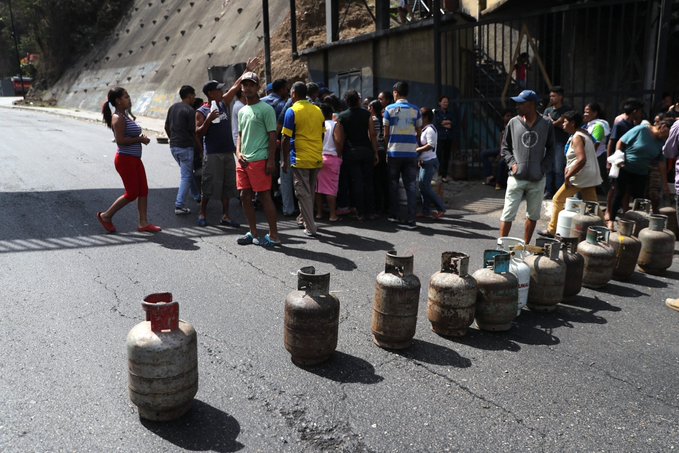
[132, 129]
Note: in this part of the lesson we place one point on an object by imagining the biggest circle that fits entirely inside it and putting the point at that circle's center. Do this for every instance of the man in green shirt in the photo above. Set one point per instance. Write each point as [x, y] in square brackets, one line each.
[255, 152]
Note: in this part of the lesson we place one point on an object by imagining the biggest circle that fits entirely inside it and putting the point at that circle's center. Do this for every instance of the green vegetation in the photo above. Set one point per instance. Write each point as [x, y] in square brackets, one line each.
[59, 31]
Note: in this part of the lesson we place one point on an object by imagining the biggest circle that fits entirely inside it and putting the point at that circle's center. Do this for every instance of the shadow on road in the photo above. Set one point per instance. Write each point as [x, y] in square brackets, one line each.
[203, 428]
[173, 242]
[489, 341]
[340, 263]
[644, 280]
[621, 291]
[423, 351]
[347, 369]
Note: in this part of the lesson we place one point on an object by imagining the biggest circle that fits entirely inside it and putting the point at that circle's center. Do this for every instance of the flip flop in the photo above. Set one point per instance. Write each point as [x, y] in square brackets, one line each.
[108, 226]
[336, 219]
[150, 228]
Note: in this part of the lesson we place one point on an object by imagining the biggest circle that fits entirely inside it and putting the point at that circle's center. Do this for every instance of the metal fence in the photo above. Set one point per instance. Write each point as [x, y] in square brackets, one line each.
[604, 51]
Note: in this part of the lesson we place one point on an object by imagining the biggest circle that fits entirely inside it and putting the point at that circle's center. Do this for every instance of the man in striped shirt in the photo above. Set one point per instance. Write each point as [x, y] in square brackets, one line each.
[402, 127]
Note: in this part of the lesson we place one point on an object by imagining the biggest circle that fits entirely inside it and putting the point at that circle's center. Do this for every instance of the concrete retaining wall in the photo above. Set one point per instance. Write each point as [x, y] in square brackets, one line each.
[164, 44]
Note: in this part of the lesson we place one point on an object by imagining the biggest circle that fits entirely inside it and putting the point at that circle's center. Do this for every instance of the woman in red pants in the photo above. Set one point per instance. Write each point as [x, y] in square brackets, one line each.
[128, 162]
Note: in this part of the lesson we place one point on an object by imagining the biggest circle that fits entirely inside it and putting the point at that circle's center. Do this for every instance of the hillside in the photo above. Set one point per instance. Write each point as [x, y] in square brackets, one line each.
[163, 44]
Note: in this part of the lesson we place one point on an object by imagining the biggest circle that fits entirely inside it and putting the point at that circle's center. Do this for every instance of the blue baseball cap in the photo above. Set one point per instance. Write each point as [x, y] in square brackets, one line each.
[526, 96]
[269, 87]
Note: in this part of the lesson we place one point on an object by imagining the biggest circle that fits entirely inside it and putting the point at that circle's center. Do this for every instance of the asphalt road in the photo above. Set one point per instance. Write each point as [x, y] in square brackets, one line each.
[599, 374]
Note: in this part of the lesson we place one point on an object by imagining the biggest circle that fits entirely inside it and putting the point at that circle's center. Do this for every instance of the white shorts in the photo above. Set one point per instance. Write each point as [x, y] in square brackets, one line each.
[518, 189]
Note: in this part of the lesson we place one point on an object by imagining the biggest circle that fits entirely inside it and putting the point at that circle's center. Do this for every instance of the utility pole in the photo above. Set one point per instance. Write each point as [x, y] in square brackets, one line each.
[16, 48]
[267, 41]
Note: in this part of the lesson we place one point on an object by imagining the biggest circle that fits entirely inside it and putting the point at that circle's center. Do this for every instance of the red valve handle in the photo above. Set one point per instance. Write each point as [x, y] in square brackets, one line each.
[161, 311]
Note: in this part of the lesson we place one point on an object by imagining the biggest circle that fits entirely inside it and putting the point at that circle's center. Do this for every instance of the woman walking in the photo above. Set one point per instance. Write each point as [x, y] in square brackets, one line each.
[128, 162]
[582, 169]
[429, 165]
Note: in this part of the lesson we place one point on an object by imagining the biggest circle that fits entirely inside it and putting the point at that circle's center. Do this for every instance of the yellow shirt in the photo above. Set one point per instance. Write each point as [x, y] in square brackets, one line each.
[304, 123]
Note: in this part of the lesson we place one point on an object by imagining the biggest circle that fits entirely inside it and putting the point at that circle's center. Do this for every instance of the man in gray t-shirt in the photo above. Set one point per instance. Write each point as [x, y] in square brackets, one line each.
[528, 150]
[180, 127]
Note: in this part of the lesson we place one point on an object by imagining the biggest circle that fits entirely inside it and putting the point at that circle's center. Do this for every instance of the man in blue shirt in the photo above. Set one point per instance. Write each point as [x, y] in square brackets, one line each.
[402, 127]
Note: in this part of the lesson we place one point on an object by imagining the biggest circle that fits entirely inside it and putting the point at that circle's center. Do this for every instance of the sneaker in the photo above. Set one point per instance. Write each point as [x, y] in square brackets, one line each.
[672, 303]
[309, 233]
[247, 239]
[393, 219]
[182, 211]
[438, 214]
[410, 225]
[268, 242]
[202, 222]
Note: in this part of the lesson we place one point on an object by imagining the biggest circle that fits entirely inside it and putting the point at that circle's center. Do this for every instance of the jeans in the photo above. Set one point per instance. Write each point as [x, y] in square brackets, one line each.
[406, 169]
[428, 169]
[487, 158]
[555, 175]
[184, 157]
[287, 192]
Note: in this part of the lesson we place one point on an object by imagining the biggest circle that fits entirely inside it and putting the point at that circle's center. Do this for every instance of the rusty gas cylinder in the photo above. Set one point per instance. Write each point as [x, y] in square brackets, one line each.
[672, 224]
[641, 209]
[397, 295]
[162, 355]
[657, 246]
[626, 248]
[547, 276]
[311, 319]
[497, 298]
[452, 296]
[599, 258]
[587, 217]
[575, 265]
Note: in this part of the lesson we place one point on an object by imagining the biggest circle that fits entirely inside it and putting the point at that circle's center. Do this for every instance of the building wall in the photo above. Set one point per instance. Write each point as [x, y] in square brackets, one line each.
[381, 63]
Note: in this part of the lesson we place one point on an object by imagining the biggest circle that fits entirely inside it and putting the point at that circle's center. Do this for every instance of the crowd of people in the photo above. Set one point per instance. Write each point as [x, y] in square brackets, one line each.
[301, 144]
[561, 153]
[325, 156]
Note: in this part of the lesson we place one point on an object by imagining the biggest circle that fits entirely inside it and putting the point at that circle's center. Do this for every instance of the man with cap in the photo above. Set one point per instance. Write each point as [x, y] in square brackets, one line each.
[528, 150]
[219, 166]
[256, 154]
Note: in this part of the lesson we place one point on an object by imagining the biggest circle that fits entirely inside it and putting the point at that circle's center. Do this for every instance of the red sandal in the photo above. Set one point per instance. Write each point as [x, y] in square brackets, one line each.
[150, 228]
[108, 226]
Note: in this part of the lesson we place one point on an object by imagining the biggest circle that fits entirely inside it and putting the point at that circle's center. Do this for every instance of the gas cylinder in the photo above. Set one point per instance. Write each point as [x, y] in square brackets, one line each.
[657, 246]
[162, 358]
[498, 292]
[547, 276]
[575, 265]
[599, 257]
[641, 209]
[516, 248]
[564, 223]
[671, 214]
[397, 295]
[311, 319]
[452, 296]
[626, 248]
[587, 217]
